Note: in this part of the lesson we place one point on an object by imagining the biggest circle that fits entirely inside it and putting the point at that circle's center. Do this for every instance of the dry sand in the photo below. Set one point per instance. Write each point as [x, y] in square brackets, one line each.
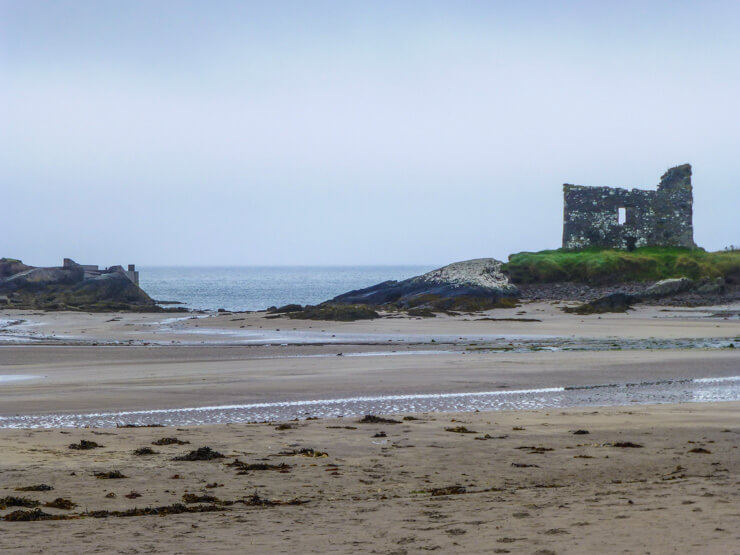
[534, 487]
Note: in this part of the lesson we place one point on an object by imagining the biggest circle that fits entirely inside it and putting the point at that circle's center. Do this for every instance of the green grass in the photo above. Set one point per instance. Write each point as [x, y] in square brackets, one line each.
[604, 266]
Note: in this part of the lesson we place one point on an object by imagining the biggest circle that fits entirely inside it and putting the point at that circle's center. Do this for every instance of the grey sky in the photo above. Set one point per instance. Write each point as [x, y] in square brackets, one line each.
[351, 132]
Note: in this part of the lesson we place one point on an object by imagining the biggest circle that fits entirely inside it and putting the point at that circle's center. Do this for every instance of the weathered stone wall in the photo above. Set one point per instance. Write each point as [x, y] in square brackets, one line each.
[653, 218]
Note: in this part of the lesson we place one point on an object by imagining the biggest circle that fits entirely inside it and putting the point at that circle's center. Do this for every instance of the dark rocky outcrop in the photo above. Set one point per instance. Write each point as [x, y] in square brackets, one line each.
[11, 266]
[616, 302]
[334, 312]
[470, 285]
[66, 288]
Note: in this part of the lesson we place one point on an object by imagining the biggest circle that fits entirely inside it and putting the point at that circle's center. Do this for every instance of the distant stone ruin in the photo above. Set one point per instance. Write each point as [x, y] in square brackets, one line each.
[92, 270]
[622, 219]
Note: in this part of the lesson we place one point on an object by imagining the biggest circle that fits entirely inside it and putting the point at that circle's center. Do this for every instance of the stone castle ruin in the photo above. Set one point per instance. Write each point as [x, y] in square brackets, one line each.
[92, 270]
[623, 219]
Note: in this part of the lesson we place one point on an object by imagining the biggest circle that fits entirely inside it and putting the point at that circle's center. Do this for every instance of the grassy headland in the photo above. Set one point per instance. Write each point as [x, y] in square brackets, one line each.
[605, 266]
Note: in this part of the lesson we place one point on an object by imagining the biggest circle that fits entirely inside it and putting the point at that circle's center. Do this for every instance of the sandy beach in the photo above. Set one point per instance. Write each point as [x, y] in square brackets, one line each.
[521, 482]
[369, 277]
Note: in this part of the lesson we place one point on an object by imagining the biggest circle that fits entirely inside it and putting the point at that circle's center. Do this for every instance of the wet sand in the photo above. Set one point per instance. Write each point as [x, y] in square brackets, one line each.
[534, 319]
[532, 487]
[89, 379]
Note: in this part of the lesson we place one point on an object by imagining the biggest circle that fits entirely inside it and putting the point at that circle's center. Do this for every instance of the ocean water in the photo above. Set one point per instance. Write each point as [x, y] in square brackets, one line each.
[259, 287]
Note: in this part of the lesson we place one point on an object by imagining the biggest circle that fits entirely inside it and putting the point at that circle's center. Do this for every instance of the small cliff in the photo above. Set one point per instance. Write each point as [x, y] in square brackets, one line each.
[66, 288]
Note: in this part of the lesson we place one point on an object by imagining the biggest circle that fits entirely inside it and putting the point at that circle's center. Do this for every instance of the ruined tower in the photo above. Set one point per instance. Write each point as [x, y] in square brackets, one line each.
[623, 219]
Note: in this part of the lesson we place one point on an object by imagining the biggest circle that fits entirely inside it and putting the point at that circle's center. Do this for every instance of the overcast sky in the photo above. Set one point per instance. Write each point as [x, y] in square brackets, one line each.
[398, 132]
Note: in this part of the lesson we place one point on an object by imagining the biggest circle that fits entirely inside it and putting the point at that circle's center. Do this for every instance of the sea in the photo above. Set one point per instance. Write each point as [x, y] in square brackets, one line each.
[242, 288]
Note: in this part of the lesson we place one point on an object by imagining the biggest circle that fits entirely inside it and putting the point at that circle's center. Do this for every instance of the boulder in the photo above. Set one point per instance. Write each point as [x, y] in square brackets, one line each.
[668, 287]
[470, 285]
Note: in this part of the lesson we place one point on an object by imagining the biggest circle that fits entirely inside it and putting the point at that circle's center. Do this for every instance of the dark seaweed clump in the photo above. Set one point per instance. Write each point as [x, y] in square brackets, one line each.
[145, 451]
[35, 514]
[200, 454]
[176, 509]
[193, 498]
[304, 452]
[372, 419]
[449, 490]
[248, 467]
[12, 501]
[170, 441]
[112, 475]
[257, 501]
[61, 503]
[84, 445]
[460, 430]
[39, 487]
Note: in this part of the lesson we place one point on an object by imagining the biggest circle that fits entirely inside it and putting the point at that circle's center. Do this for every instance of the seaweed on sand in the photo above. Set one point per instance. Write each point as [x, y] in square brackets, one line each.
[191, 498]
[38, 487]
[448, 490]
[460, 430]
[170, 441]
[61, 503]
[175, 509]
[248, 467]
[256, 501]
[12, 501]
[373, 419]
[625, 444]
[533, 449]
[304, 452]
[145, 451]
[200, 454]
[111, 475]
[84, 445]
[35, 514]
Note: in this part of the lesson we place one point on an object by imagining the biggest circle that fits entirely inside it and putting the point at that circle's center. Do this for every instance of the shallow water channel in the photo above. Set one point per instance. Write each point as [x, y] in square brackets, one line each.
[665, 391]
